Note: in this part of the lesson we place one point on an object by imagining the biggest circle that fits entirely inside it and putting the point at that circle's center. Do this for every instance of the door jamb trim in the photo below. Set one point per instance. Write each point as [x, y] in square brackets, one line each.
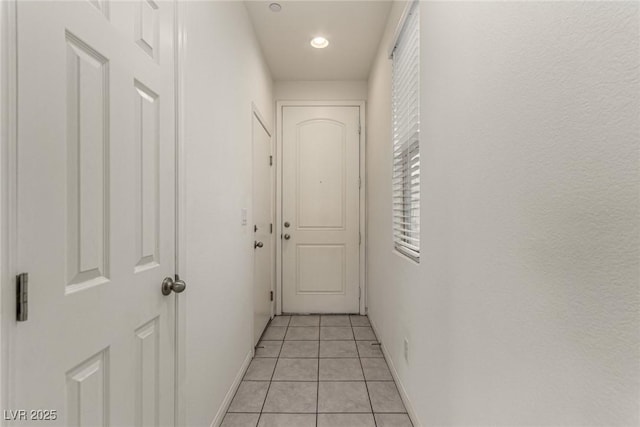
[180, 264]
[278, 190]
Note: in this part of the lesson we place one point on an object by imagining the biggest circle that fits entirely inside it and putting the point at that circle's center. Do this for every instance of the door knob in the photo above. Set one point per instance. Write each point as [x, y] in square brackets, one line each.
[257, 245]
[286, 224]
[287, 237]
[177, 286]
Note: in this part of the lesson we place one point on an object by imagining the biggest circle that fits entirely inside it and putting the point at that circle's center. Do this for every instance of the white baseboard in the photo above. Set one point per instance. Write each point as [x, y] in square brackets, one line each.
[217, 420]
[403, 392]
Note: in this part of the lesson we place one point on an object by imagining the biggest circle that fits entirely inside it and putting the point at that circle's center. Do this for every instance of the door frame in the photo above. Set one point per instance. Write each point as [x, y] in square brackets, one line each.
[255, 112]
[180, 264]
[279, 182]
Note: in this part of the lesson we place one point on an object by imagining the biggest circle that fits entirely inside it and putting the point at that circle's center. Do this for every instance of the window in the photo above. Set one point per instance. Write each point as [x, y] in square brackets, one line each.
[406, 137]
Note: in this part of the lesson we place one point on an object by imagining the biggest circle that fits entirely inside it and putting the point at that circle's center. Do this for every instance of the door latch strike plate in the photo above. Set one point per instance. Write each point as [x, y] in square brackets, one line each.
[270, 295]
[22, 297]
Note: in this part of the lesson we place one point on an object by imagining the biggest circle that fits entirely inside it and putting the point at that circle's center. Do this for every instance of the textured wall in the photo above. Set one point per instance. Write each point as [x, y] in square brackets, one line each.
[524, 309]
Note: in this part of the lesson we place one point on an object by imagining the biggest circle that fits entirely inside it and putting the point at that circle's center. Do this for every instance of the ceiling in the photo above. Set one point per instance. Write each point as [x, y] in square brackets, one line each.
[353, 28]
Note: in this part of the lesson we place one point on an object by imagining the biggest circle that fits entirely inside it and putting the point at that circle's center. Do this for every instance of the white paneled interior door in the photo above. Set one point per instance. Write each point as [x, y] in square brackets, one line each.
[95, 232]
[320, 209]
[262, 229]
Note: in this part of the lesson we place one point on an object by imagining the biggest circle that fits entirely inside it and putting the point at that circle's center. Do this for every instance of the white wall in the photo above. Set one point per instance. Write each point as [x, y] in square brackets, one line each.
[224, 73]
[524, 309]
[348, 90]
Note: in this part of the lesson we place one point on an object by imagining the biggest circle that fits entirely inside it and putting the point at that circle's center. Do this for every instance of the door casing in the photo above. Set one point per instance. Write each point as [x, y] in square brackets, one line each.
[363, 180]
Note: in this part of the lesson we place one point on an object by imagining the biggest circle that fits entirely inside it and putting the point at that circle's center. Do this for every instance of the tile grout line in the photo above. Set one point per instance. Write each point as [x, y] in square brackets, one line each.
[273, 373]
[366, 385]
[311, 413]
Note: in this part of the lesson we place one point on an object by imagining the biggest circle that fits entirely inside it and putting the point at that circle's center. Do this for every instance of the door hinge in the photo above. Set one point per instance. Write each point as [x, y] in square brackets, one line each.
[359, 238]
[359, 293]
[359, 129]
[22, 297]
[271, 296]
[271, 228]
[270, 160]
[359, 182]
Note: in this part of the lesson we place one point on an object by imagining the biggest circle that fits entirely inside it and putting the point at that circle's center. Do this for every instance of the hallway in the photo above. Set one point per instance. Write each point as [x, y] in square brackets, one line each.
[324, 371]
[319, 213]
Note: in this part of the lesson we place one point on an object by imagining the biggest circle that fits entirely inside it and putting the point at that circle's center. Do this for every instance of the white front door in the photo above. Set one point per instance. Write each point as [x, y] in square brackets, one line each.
[320, 209]
[262, 228]
[95, 213]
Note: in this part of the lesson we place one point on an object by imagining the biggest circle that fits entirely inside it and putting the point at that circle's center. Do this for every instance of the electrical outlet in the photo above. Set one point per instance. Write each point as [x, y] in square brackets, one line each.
[406, 350]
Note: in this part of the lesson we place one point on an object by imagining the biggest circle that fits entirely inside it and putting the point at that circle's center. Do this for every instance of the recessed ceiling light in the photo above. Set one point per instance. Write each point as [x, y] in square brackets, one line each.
[319, 42]
[275, 7]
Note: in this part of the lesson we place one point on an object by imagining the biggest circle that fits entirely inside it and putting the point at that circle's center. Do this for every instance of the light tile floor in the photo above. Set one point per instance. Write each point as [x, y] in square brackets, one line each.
[317, 371]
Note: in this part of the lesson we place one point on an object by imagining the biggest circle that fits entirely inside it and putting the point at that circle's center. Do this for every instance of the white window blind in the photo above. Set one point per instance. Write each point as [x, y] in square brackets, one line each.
[406, 137]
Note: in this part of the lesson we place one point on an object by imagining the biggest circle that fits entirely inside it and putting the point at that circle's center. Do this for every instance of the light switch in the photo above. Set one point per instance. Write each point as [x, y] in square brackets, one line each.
[243, 216]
